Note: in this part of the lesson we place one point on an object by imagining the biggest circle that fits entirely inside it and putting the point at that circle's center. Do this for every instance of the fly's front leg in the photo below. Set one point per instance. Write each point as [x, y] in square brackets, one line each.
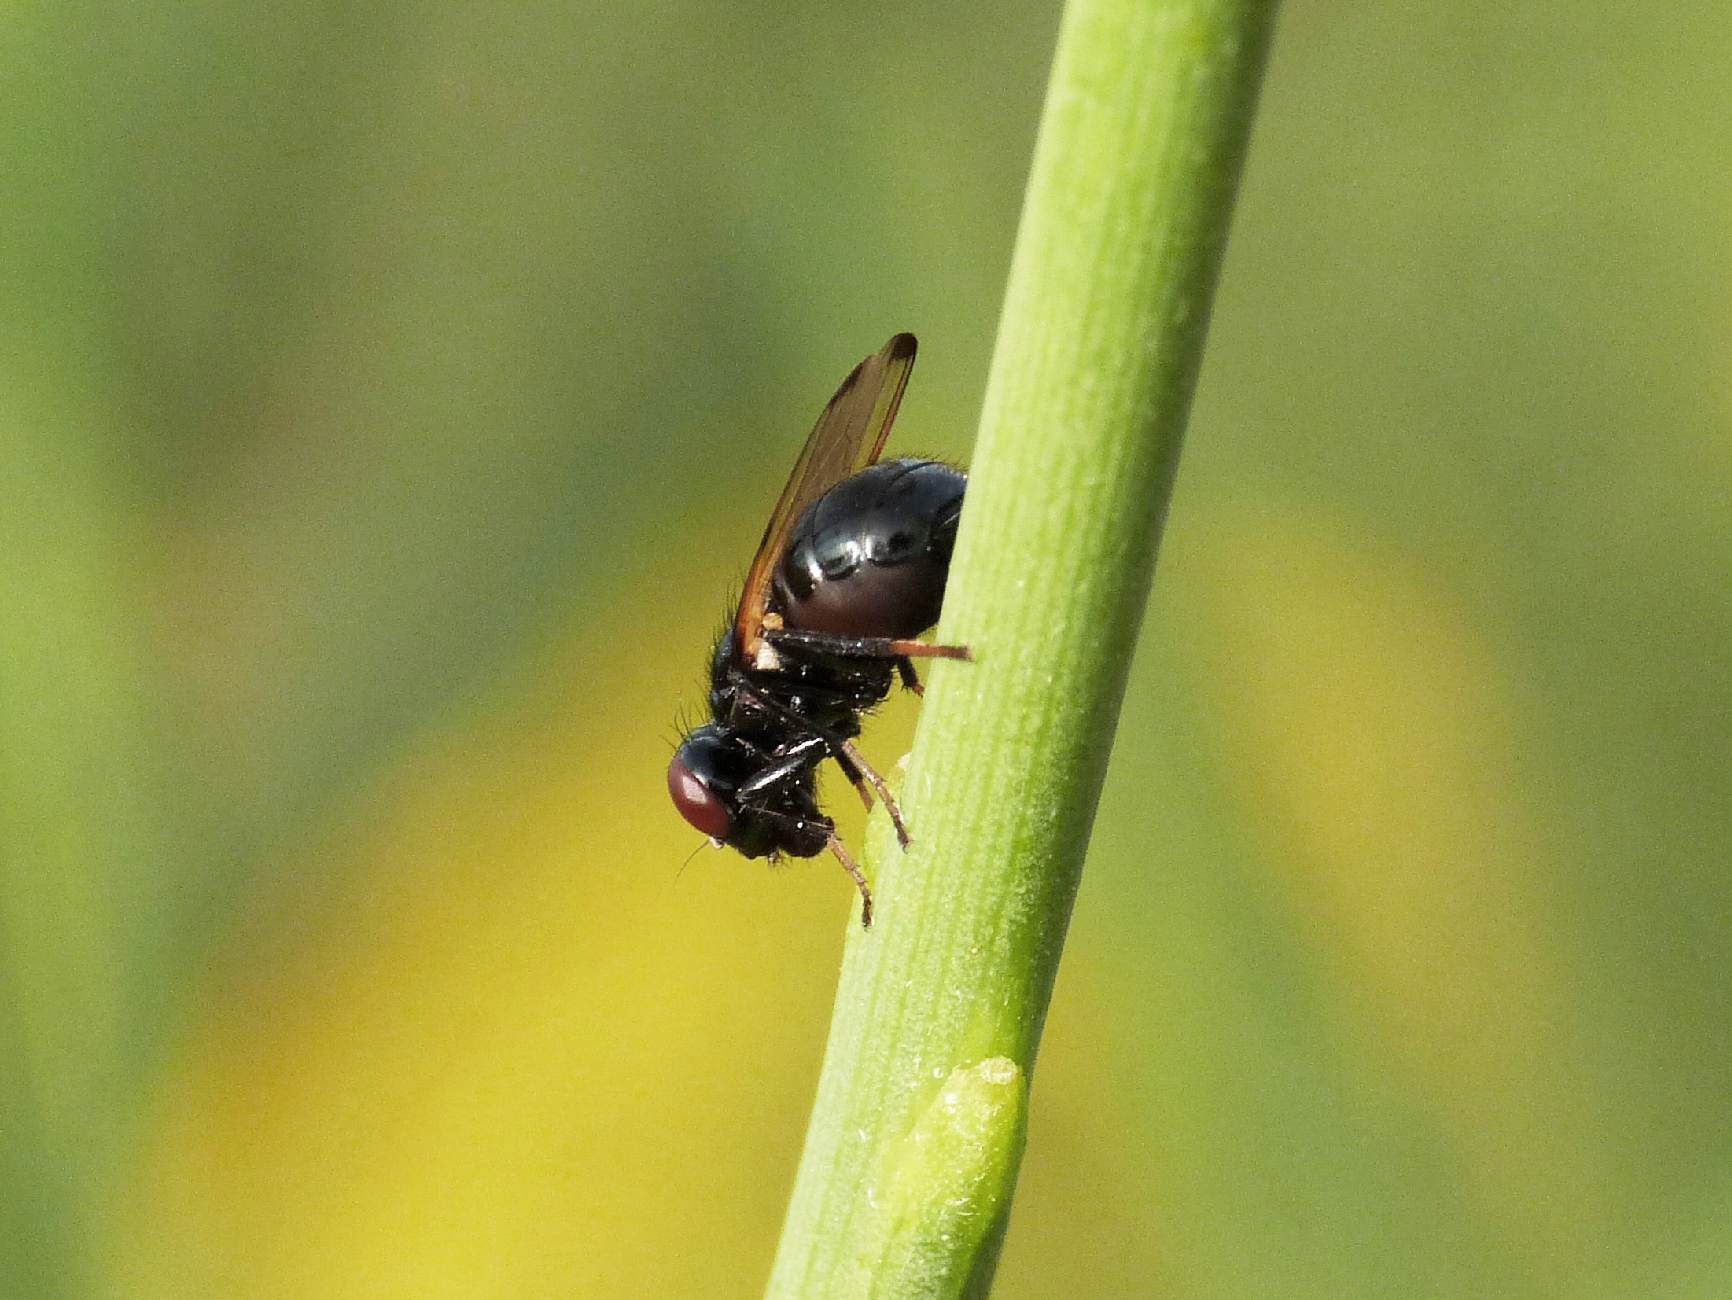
[800, 757]
[838, 852]
[853, 763]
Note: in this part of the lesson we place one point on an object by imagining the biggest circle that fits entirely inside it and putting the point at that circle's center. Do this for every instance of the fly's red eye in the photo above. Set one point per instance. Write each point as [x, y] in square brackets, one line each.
[696, 802]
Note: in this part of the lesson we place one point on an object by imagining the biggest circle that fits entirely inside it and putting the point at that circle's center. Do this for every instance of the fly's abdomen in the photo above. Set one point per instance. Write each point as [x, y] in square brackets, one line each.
[870, 557]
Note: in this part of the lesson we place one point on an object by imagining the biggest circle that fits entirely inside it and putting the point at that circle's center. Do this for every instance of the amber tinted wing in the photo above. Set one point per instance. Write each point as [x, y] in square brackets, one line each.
[848, 437]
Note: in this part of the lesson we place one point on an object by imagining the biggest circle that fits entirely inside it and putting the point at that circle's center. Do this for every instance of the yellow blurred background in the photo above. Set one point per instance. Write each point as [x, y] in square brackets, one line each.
[391, 395]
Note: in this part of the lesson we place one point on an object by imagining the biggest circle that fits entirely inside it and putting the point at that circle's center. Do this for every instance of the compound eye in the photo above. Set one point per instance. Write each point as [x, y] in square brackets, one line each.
[696, 802]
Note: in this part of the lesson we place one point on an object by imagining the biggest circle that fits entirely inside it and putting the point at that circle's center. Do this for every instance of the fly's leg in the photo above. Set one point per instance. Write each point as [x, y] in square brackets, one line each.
[910, 679]
[863, 647]
[840, 853]
[865, 778]
[859, 770]
[858, 877]
[800, 757]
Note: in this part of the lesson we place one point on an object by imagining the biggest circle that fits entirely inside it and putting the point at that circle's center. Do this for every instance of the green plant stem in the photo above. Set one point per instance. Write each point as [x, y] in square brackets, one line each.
[917, 1132]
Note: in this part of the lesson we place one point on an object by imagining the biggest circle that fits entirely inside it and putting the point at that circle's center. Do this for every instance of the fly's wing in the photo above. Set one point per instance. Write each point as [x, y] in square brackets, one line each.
[848, 437]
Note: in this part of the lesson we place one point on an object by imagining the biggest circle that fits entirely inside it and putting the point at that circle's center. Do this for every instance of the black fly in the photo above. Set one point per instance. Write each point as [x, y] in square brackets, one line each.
[851, 569]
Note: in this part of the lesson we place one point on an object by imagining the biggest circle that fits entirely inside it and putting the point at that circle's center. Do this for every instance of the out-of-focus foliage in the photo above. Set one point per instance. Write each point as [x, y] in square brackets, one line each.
[389, 396]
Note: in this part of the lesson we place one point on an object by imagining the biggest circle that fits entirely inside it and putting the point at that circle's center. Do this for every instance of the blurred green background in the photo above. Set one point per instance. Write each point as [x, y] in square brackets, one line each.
[390, 395]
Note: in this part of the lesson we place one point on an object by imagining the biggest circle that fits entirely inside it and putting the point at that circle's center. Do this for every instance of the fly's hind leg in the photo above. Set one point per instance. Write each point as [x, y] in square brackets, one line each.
[863, 647]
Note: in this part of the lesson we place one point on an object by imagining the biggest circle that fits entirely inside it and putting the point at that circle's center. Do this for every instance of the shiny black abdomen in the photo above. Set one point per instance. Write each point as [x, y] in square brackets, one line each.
[870, 557]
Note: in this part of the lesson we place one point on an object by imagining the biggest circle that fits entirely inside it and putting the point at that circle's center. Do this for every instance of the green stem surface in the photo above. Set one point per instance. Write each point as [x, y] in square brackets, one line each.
[911, 1158]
